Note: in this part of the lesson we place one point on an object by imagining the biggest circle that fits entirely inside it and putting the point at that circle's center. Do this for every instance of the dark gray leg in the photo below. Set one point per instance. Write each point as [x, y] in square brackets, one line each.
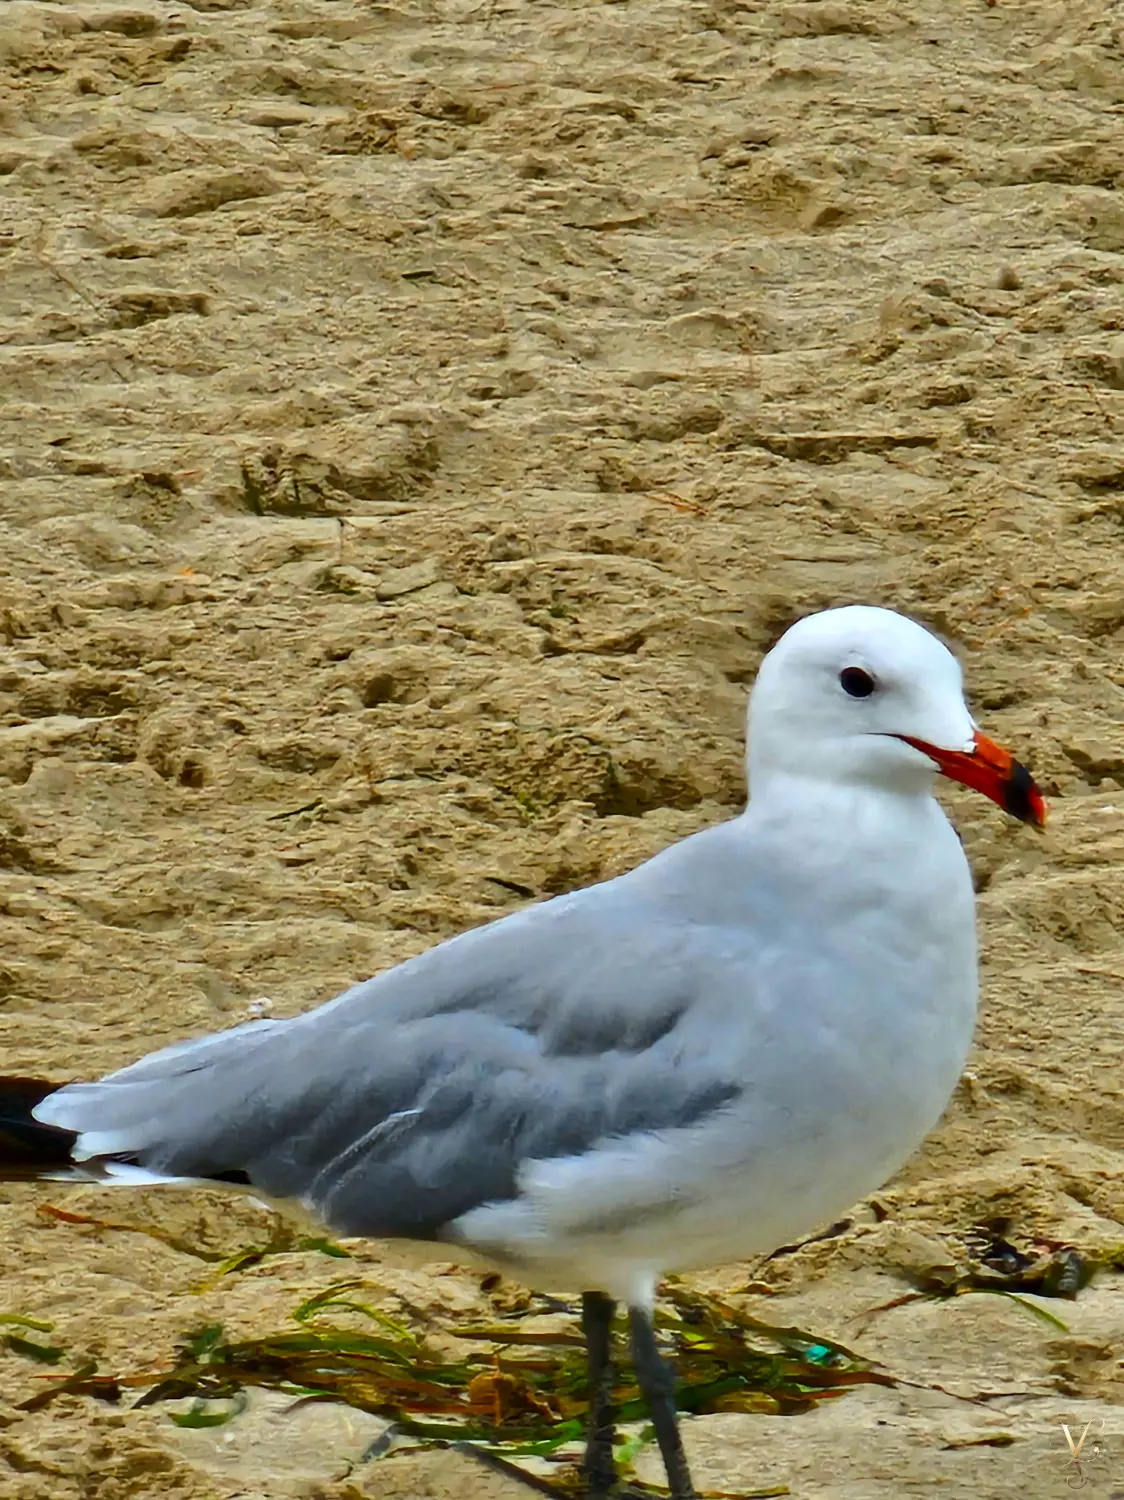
[597, 1322]
[657, 1381]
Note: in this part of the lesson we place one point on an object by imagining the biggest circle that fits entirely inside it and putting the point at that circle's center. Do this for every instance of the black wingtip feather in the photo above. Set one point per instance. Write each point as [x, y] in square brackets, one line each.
[28, 1148]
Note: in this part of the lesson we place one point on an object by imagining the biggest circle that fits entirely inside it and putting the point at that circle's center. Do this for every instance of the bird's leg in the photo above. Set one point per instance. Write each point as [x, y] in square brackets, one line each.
[657, 1381]
[597, 1325]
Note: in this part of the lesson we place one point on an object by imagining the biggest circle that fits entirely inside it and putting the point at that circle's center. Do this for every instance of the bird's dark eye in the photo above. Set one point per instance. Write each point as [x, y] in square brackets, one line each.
[856, 683]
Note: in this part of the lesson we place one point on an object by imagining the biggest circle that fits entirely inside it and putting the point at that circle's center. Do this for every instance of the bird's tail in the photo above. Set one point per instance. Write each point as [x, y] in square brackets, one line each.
[194, 1112]
[30, 1150]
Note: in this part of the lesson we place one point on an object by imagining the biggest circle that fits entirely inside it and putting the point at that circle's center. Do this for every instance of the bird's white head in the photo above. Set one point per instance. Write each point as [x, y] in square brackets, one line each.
[865, 695]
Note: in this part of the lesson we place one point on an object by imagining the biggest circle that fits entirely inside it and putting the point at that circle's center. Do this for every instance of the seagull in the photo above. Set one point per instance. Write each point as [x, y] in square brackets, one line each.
[675, 1069]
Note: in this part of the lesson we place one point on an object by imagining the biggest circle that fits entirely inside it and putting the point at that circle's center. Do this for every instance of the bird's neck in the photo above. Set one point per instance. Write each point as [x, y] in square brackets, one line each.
[850, 816]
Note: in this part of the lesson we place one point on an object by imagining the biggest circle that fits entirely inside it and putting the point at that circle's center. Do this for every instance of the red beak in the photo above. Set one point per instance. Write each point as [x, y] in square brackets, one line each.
[995, 772]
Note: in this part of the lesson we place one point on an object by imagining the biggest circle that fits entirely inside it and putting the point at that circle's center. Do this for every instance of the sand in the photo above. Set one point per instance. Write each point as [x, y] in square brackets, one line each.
[416, 420]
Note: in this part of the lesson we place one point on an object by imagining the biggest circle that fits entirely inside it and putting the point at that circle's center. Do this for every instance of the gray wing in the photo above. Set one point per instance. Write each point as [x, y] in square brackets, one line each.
[419, 1095]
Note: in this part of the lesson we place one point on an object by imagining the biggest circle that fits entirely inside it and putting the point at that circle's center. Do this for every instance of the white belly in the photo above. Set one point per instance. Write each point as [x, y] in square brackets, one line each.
[779, 1191]
[839, 1091]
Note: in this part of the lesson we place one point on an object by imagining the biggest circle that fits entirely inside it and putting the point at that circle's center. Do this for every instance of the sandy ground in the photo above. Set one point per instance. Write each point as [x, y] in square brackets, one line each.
[416, 419]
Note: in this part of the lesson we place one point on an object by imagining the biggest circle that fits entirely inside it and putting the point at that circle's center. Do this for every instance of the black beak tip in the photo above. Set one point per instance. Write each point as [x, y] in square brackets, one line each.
[1022, 799]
